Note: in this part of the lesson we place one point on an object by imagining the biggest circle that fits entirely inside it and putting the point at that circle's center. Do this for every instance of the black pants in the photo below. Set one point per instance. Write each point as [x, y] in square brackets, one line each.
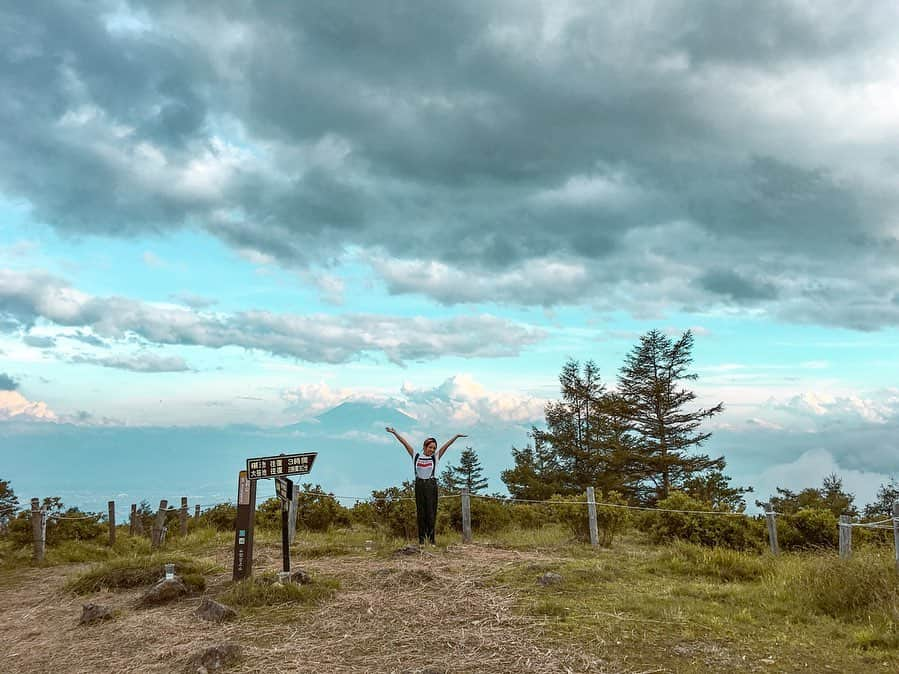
[426, 507]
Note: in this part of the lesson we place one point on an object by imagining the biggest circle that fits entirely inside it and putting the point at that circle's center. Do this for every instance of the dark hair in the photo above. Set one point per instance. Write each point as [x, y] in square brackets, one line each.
[427, 440]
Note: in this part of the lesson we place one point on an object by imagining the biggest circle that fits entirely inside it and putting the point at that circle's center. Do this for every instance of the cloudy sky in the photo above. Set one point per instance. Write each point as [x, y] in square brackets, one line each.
[250, 213]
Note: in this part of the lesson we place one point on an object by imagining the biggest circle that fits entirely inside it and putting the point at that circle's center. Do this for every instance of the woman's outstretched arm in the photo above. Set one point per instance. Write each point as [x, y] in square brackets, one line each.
[403, 440]
[448, 443]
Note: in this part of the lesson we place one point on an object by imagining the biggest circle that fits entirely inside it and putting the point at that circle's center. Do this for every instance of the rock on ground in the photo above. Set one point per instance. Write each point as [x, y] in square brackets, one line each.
[166, 590]
[214, 612]
[549, 578]
[92, 613]
[407, 550]
[215, 658]
[300, 577]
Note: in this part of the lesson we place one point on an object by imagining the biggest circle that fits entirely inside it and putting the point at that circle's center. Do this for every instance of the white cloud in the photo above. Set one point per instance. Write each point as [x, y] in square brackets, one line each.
[13, 405]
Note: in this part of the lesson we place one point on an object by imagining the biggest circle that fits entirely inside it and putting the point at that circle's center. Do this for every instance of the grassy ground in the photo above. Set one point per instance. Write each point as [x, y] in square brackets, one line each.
[632, 608]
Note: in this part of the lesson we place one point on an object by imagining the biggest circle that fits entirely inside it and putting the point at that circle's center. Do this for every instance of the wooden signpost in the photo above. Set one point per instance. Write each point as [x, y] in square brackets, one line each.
[279, 467]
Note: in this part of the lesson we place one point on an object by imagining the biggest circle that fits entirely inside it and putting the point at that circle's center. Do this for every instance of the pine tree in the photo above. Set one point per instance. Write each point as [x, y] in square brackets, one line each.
[9, 502]
[657, 408]
[468, 473]
[883, 501]
[586, 442]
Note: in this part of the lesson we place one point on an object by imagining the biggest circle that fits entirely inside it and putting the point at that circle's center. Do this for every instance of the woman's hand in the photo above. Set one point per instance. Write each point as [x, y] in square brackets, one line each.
[390, 429]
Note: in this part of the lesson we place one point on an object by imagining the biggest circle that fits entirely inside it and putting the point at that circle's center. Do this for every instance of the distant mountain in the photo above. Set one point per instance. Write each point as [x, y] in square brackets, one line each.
[356, 416]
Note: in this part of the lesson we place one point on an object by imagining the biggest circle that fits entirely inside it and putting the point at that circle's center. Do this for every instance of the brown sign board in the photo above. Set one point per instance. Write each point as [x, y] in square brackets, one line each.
[243, 534]
[283, 465]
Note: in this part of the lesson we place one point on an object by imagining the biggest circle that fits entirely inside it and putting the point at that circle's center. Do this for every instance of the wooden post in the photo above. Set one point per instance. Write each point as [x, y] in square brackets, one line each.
[111, 522]
[466, 516]
[132, 529]
[591, 516]
[845, 537]
[183, 516]
[157, 536]
[772, 529]
[197, 511]
[38, 529]
[896, 532]
[292, 515]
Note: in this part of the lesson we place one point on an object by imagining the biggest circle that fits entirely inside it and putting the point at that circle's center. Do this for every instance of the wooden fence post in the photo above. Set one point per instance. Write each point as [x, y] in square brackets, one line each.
[132, 529]
[845, 537]
[197, 511]
[111, 522]
[896, 532]
[183, 516]
[157, 536]
[770, 516]
[466, 516]
[38, 529]
[591, 516]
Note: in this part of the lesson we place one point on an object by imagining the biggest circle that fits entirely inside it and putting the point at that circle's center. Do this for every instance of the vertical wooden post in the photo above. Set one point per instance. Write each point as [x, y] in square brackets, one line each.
[132, 529]
[38, 529]
[292, 515]
[183, 516]
[770, 517]
[111, 522]
[466, 516]
[896, 532]
[197, 511]
[157, 536]
[591, 516]
[845, 537]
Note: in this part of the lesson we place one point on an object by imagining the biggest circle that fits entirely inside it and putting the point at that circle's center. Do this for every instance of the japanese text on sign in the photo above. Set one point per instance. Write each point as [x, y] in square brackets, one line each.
[283, 465]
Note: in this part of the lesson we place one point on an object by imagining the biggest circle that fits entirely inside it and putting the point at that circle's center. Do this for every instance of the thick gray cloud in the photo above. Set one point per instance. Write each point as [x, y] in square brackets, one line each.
[25, 298]
[141, 362]
[488, 139]
[7, 383]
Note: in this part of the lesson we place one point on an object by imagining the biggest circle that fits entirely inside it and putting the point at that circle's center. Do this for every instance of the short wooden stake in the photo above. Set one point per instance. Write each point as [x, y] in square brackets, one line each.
[183, 516]
[38, 529]
[896, 532]
[157, 536]
[111, 522]
[845, 537]
[466, 516]
[771, 518]
[591, 516]
[197, 511]
[132, 528]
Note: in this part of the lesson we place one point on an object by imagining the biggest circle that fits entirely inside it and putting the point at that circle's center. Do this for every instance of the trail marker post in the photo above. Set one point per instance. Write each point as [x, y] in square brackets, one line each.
[284, 489]
[243, 535]
[281, 467]
[111, 505]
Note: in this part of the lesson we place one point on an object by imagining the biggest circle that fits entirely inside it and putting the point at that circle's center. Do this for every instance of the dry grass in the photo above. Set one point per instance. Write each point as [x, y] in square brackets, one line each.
[435, 612]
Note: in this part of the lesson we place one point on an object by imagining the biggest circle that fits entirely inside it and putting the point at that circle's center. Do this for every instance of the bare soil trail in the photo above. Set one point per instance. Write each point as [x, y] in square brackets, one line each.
[433, 612]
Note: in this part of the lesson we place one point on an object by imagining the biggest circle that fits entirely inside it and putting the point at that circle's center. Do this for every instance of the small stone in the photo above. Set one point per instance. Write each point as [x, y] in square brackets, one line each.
[92, 613]
[549, 578]
[300, 577]
[214, 612]
[215, 658]
[166, 590]
[407, 550]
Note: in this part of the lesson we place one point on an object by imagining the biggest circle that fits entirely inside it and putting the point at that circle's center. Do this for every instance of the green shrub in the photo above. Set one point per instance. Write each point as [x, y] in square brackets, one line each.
[487, 515]
[221, 517]
[393, 511]
[736, 532]
[572, 512]
[59, 530]
[531, 515]
[808, 529]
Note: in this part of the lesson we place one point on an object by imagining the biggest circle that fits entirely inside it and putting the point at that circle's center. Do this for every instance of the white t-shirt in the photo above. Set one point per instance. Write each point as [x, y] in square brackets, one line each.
[425, 466]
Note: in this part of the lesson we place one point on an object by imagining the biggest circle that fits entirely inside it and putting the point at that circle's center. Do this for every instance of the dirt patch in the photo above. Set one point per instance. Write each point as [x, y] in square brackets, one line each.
[431, 613]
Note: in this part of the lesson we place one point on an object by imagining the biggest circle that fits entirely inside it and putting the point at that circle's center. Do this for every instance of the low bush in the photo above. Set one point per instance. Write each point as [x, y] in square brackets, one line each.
[688, 559]
[572, 512]
[487, 515]
[220, 517]
[735, 532]
[87, 527]
[808, 529]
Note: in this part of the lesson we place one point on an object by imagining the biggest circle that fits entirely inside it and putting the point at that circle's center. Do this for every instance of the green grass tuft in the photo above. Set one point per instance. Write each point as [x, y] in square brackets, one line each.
[263, 591]
[136, 571]
[723, 564]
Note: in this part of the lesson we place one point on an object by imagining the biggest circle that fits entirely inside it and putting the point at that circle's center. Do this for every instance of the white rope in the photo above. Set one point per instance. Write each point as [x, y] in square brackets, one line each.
[616, 505]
